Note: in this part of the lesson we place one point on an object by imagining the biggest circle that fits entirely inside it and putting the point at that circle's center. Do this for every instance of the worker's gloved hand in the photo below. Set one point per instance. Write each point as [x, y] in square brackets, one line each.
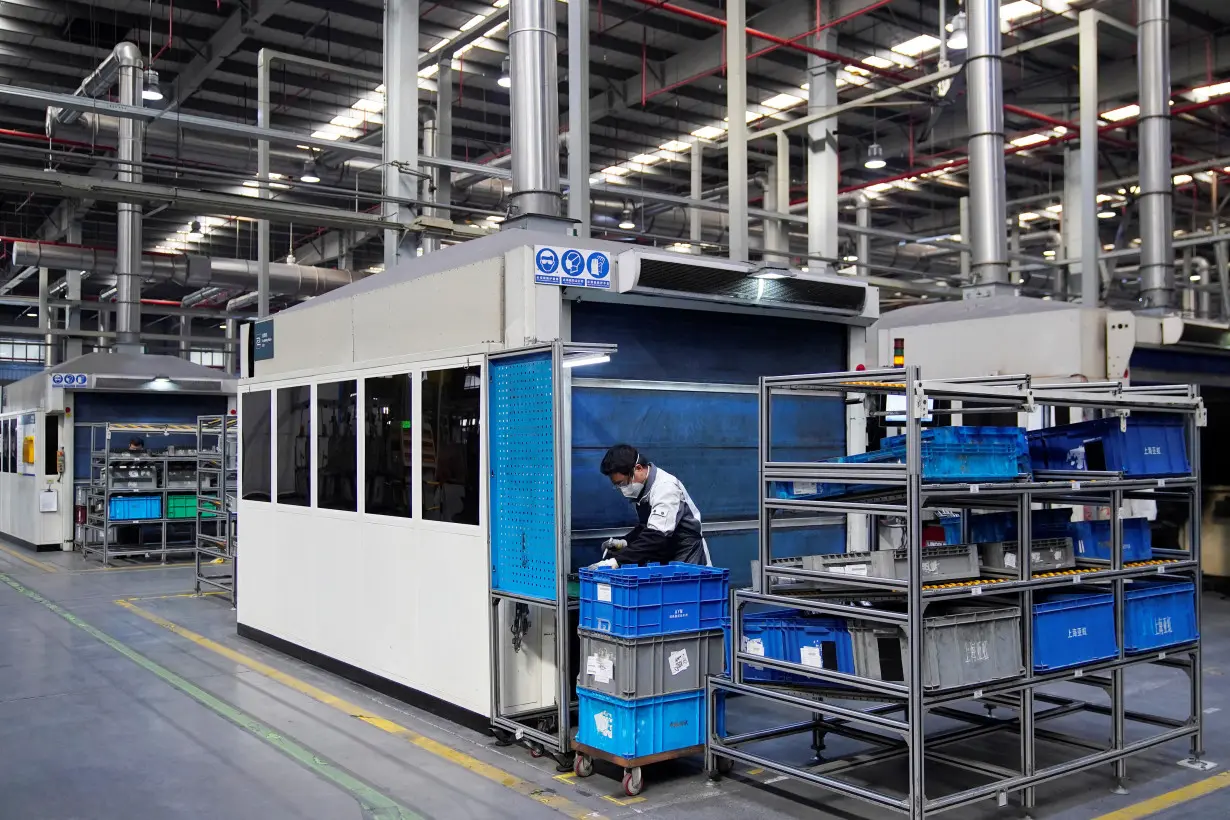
[614, 544]
[609, 563]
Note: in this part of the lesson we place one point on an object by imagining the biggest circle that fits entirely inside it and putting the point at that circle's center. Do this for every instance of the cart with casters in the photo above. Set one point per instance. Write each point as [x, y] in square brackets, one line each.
[634, 780]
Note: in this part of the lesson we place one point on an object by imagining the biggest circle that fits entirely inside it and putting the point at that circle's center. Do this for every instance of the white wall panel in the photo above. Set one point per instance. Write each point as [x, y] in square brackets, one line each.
[442, 311]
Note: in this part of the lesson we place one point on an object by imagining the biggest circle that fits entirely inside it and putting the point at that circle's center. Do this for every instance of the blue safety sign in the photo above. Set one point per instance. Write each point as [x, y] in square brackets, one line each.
[571, 267]
[69, 380]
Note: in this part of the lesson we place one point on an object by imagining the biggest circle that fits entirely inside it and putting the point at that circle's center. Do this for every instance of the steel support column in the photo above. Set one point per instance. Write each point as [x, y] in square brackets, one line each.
[823, 169]
[444, 136]
[578, 116]
[72, 315]
[263, 60]
[695, 229]
[401, 124]
[1087, 222]
[736, 142]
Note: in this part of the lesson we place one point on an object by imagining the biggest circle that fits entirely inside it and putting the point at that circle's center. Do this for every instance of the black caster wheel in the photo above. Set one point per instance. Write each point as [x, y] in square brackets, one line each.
[536, 750]
[503, 737]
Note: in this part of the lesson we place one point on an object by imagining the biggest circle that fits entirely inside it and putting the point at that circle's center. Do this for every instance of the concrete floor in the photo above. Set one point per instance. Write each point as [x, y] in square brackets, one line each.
[181, 730]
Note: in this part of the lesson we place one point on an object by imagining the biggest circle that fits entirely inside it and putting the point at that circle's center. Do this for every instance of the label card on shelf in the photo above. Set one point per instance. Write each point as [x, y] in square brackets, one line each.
[678, 661]
[810, 656]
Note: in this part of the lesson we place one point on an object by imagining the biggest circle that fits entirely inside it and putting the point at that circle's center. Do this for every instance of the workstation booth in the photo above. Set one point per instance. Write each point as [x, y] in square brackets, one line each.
[48, 428]
[420, 450]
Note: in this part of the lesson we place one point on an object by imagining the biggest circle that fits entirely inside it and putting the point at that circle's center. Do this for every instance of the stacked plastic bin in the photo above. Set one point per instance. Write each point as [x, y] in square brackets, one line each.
[649, 636]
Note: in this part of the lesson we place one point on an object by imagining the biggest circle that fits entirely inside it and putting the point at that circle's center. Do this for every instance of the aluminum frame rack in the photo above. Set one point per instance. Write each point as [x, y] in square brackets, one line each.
[895, 729]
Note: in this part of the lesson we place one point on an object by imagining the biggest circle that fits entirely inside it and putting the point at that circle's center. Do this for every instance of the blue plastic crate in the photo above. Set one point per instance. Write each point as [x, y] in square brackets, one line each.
[992, 528]
[1092, 539]
[1072, 628]
[1143, 447]
[633, 602]
[795, 637]
[135, 507]
[949, 454]
[1157, 614]
[641, 727]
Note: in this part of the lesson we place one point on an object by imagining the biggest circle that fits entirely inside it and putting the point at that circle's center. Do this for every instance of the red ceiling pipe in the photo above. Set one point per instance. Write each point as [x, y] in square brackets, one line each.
[662, 5]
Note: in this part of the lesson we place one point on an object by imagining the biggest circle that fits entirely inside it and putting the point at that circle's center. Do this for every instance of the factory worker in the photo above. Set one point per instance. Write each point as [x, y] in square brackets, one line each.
[669, 529]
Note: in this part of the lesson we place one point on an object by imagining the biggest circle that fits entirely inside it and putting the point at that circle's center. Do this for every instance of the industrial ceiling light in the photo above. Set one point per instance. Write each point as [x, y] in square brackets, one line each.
[625, 222]
[1107, 214]
[1195, 277]
[875, 157]
[309, 172]
[151, 90]
[505, 80]
[958, 39]
[161, 379]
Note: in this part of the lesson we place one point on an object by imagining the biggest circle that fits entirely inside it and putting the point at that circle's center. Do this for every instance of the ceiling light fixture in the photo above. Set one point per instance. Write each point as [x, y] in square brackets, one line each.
[1106, 214]
[309, 172]
[505, 80]
[875, 157]
[958, 39]
[1195, 277]
[625, 221]
[151, 90]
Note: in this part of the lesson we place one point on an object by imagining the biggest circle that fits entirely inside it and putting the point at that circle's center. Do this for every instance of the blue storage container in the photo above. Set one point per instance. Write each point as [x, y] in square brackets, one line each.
[1092, 539]
[632, 602]
[1072, 628]
[1157, 614]
[1143, 447]
[135, 507]
[993, 528]
[949, 454]
[795, 637]
[642, 727]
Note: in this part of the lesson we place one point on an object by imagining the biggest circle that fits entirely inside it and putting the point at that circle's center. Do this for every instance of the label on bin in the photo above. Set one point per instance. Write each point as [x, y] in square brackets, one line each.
[600, 667]
[753, 646]
[604, 593]
[810, 656]
[678, 661]
[1010, 560]
[804, 488]
[604, 722]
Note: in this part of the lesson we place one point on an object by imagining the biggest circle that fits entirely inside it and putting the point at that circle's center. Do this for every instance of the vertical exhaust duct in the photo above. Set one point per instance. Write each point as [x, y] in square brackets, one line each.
[128, 238]
[987, 179]
[1156, 218]
[535, 108]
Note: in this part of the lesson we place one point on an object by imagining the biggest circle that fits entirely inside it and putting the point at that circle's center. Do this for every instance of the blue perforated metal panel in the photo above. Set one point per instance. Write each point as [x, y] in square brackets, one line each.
[522, 430]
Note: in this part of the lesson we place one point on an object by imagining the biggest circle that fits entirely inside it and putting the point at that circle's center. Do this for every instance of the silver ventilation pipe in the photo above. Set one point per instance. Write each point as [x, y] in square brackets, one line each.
[98, 82]
[535, 108]
[431, 185]
[128, 214]
[1156, 218]
[987, 178]
[188, 271]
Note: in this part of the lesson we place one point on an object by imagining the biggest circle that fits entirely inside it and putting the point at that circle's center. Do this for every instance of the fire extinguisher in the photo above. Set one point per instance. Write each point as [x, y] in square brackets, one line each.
[60, 462]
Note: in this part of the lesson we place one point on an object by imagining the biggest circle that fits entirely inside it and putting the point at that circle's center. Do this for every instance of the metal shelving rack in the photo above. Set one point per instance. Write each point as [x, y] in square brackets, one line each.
[101, 489]
[894, 728]
[217, 514]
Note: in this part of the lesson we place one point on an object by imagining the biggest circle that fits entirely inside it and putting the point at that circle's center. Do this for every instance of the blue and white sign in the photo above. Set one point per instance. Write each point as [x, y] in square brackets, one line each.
[69, 380]
[570, 267]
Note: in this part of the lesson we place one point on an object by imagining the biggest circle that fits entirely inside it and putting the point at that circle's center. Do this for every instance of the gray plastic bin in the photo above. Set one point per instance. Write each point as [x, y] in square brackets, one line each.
[1047, 554]
[965, 646]
[948, 563]
[647, 667]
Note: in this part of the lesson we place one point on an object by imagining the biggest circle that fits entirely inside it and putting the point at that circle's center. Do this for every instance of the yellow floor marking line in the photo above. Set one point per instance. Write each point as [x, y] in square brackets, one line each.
[623, 801]
[175, 595]
[510, 781]
[25, 559]
[1150, 807]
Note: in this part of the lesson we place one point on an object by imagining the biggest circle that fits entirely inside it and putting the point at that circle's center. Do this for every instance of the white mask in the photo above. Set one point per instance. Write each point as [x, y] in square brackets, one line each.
[632, 490]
